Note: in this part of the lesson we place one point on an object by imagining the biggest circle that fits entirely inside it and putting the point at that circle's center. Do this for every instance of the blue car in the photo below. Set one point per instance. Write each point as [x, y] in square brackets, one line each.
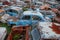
[29, 18]
[14, 11]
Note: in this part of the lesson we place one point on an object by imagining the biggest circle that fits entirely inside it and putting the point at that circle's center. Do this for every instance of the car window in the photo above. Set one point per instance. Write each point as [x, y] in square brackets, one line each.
[10, 11]
[27, 17]
[43, 13]
[48, 13]
[35, 34]
[36, 18]
[15, 11]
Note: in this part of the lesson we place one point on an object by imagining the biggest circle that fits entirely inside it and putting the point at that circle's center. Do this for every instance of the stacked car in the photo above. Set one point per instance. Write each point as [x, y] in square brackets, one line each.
[30, 20]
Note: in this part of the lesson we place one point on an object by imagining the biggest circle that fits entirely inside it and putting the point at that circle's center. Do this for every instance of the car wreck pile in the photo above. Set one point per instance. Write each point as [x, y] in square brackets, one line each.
[30, 20]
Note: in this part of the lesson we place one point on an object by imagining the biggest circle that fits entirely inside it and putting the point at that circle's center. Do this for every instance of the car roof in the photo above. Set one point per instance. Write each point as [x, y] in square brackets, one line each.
[15, 8]
[32, 13]
[39, 2]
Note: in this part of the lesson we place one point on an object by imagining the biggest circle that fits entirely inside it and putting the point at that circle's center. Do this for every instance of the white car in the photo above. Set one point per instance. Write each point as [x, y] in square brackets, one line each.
[47, 32]
[4, 18]
[3, 33]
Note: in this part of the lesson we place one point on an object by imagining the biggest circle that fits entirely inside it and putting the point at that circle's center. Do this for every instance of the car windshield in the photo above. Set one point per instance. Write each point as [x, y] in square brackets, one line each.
[14, 11]
[27, 17]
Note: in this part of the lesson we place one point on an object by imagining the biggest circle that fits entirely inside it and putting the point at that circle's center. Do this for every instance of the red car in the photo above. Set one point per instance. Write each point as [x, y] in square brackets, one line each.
[6, 3]
[21, 31]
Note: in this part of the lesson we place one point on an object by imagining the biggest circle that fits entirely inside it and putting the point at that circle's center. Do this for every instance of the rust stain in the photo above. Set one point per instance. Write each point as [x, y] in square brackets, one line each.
[55, 28]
